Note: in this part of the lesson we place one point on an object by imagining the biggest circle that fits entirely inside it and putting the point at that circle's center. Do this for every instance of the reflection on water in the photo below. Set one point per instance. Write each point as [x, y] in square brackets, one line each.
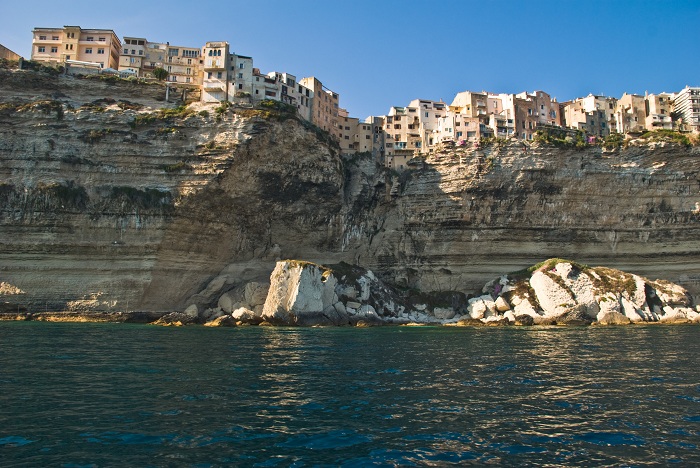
[104, 394]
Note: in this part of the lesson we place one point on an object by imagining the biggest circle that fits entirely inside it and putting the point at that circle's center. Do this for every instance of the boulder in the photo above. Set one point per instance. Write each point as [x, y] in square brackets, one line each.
[301, 293]
[192, 311]
[552, 297]
[501, 304]
[246, 316]
[176, 319]
[524, 307]
[477, 308]
[577, 315]
[222, 321]
[444, 313]
[227, 302]
[524, 320]
[468, 322]
[255, 294]
[612, 318]
[674, 316]
[510, 316]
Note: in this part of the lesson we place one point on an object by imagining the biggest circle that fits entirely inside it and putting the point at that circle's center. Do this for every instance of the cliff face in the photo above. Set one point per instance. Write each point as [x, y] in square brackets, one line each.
[108, 203]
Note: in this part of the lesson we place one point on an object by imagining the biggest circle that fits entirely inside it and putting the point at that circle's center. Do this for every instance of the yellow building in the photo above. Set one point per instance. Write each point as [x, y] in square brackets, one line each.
[57, 45]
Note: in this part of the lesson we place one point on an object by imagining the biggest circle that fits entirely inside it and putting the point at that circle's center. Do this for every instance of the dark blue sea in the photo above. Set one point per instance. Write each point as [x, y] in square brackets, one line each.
[80, 395]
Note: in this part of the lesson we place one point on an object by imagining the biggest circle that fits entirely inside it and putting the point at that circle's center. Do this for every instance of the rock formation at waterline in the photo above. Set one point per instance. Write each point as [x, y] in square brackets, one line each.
[555, 292]
[108, 203]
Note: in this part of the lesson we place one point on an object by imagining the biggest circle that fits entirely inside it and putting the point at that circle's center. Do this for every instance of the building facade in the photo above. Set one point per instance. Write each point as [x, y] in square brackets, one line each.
[686, 106]
[56, 46]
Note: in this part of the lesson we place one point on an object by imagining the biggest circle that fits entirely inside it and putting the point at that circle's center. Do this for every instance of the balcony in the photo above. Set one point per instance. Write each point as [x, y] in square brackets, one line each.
[214, 65]
[213, 86]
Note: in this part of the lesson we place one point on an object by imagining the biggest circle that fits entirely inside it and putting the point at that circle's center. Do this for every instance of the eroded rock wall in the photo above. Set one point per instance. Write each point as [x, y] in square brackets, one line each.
[110, 203]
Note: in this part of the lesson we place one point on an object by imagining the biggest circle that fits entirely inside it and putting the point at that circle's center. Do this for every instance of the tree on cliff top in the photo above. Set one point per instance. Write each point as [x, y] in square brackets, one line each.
[160, 73]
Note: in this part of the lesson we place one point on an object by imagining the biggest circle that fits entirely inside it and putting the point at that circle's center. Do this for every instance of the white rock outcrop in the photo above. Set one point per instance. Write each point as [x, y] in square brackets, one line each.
[302, 293]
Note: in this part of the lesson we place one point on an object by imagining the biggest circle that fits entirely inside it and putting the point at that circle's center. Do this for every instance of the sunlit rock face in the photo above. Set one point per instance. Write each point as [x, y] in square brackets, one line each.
[561, 291]
[108, 204]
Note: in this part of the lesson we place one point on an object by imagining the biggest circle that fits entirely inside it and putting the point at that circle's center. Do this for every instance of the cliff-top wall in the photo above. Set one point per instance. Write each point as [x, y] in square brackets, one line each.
[109, 201]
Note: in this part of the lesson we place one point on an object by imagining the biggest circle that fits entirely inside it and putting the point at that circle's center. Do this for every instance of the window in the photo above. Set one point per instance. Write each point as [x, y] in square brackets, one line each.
[209, 75]
[427, 114]
[54, 49]
[100, 51]
[90, 38]
[41, 49]
[102, 39]
[219, 75]
[126, 51]
[42, 38]
[240, 86]
[189, 61]
[133, 51]
[188, 71]
[54, 38]
[367, 137]
[187, 80]
[140, 52]
[459, 134]
[240, 75]
[241, 65]
[347, 137]
[88, 50]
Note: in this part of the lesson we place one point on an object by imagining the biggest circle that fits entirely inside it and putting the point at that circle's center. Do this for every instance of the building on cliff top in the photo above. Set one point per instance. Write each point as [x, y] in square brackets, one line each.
[7, 54]
[142, 57]
[686, 106]
[57, 45]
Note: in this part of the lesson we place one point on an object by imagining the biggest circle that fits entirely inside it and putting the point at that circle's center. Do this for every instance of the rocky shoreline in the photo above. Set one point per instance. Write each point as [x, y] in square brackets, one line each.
[300, 293]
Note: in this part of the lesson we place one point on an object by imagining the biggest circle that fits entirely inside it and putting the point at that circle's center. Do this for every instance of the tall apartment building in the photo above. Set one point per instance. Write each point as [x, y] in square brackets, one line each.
[686, 106]
[58, 45]
[215, 69]
[324, 105]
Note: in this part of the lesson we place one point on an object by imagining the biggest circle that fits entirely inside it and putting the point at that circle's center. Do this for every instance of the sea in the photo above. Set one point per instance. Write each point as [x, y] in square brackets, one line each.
[84, 395]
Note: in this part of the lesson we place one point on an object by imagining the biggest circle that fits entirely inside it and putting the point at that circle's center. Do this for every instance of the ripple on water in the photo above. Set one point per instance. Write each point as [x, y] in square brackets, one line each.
[326, 440]
[611, 438]
[15, 441]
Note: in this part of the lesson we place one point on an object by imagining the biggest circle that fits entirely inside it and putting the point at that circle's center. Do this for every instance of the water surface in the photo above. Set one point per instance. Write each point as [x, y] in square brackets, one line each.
[113, 394]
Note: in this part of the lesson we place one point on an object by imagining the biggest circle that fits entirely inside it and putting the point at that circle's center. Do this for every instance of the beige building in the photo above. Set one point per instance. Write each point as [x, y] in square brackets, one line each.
[7, 54]
[429, 113]
[324, 105]
[658, 111]
[595, 115]
[215, 69]
[57, 45]
[686, 105]
[403, 125]
[630, 113]
[183, 64]
[356, 136]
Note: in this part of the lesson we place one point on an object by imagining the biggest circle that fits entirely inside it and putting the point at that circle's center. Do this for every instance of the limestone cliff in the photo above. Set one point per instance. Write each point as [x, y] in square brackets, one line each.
[113, 199]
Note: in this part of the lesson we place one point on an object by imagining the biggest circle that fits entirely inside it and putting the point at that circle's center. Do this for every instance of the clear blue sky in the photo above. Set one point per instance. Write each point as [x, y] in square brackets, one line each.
[381, 53]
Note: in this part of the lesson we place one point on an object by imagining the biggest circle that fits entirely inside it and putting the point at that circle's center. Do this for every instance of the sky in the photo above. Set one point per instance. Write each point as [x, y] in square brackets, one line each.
[382, 53]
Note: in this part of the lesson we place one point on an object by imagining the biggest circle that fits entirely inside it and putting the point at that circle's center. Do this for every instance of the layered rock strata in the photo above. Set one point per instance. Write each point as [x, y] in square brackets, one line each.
[112, 199]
